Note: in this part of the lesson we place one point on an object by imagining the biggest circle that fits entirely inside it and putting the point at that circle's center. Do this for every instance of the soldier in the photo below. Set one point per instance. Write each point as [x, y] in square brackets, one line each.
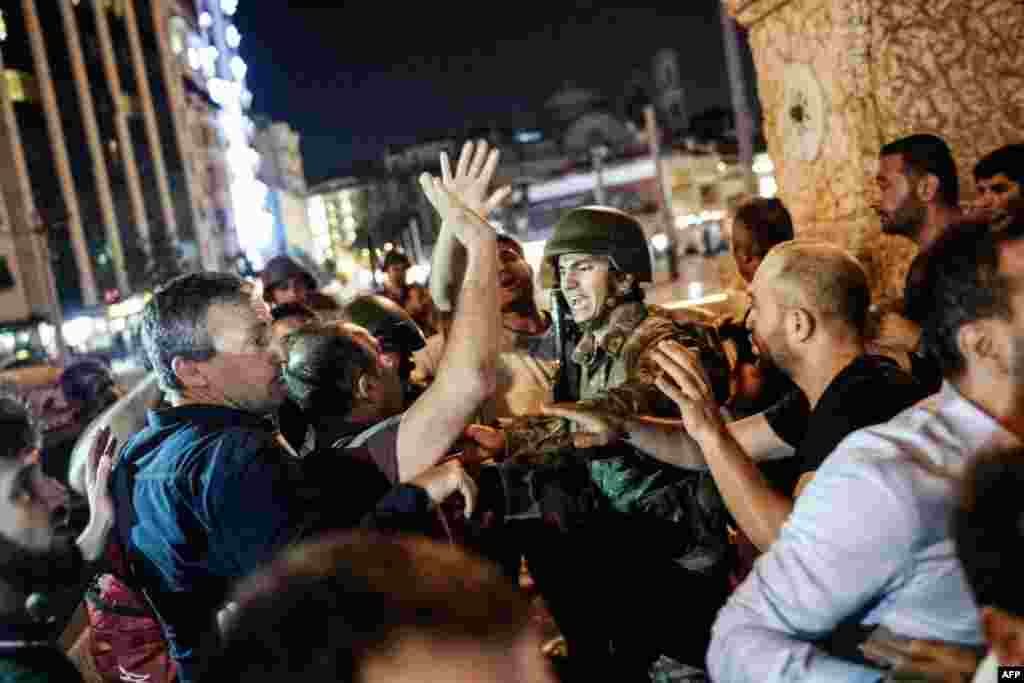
[650, 535]
[607, 532]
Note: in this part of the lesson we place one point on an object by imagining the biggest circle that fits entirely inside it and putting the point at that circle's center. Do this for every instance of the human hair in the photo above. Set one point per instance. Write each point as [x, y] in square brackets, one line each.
[1007, 160]
[324, 362]
[88, 381]
[925, 154]
[988, 528]
[822, 276]
[512, 243]
[961, 285]
[292, 309]
[174, 320]
[19, 425]
[768, 221]
[324, 610]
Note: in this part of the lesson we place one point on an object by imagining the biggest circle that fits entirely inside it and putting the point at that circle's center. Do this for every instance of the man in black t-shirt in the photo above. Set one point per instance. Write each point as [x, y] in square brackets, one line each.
[809, 310]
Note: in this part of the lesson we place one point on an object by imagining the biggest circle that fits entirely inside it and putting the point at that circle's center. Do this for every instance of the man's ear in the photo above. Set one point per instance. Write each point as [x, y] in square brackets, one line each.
[188, 372]
[927, 187]
[977, 341]
[365, 386]
[623, 283]
[800, 324]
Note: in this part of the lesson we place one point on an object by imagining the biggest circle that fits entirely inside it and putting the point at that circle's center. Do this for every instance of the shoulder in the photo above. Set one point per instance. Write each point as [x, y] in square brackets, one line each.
[912, 457]
[876, 390]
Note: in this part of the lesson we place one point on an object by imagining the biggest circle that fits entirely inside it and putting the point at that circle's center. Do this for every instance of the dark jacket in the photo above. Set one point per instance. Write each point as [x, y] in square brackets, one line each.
[215, 497]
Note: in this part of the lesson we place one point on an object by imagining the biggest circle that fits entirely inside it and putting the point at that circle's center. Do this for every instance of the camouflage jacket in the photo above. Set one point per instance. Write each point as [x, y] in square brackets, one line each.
[617, 375]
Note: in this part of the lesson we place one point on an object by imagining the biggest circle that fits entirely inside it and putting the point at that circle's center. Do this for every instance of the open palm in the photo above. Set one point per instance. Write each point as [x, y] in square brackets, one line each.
[472, 178]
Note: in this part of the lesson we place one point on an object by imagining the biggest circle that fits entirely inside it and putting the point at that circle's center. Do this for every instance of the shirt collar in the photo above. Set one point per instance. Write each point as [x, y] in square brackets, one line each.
[214, 416]
[978, 430]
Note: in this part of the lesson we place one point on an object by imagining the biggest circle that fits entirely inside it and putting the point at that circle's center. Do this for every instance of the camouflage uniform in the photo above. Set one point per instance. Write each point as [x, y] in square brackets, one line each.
[616, 374]
[611, 536]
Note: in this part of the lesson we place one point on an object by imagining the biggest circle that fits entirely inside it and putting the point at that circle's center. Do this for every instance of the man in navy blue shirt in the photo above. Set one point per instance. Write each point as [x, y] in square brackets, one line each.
[212, 492]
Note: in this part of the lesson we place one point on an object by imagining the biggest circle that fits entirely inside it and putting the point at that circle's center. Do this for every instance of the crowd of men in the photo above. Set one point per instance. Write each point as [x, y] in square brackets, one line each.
[819, 490]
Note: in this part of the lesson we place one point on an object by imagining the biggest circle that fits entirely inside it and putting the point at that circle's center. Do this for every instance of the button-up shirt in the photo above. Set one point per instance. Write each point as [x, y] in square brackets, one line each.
[869, 537]
[215, 497]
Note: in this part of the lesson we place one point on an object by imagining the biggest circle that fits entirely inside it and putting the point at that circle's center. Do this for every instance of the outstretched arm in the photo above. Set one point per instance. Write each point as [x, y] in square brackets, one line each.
[467, 373]
[469, 183]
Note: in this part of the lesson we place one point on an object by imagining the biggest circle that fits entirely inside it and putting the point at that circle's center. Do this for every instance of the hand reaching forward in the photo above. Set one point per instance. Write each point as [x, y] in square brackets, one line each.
[598, 428]
[685, 382]
[441, 481]
[473, 174]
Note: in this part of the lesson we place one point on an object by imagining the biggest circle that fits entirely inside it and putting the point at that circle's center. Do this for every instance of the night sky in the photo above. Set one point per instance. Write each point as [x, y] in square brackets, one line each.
[354, 78]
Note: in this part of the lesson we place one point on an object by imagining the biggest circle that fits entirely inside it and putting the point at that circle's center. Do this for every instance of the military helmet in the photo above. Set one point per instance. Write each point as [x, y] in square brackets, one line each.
[387, 321]
[603, 231]
[279, 270]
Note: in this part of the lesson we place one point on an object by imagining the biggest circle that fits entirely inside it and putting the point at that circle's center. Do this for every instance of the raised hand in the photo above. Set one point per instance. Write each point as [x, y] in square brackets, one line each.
[441, 481]
[473, 174]
[599, 428]
[685, 382]
[93, 540]
[466, 225]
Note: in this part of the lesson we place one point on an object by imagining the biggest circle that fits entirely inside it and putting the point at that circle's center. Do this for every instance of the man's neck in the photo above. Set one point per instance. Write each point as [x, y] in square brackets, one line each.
[939, 218]
[821, 367]
[330, 427]
[528, 321]
[999, 397]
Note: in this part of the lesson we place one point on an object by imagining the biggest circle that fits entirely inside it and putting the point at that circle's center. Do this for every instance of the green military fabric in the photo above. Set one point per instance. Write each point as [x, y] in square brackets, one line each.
[618, 377]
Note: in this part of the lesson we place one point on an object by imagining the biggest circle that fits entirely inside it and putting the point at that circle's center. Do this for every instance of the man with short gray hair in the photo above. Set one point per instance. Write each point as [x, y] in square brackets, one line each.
[211, 492]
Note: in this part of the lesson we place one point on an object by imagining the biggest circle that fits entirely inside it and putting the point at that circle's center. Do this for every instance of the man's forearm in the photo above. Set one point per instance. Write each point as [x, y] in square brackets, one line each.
[759, 510]
[446, 269]
[666, 441]
[467, 372]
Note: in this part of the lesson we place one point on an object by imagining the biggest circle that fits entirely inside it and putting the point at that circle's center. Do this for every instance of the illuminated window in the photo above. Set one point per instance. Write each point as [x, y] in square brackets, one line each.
[232, 36]
[21, 86]
[3, 26]
[179, 35]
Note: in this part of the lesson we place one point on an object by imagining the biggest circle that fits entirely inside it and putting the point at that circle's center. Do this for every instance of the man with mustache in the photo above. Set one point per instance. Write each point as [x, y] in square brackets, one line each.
[919, 198]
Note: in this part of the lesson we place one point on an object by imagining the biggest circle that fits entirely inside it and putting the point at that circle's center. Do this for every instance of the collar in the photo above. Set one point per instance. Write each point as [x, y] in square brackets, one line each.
[978, 430]
[213, 416]
[351, 435]
[622, 322]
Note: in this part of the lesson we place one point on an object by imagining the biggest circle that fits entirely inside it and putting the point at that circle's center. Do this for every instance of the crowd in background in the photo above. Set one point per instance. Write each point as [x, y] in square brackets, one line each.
[454, 482]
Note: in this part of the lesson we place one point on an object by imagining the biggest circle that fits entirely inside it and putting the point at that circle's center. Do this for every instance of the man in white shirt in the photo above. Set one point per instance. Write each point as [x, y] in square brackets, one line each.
[989, 531]
[869, 540]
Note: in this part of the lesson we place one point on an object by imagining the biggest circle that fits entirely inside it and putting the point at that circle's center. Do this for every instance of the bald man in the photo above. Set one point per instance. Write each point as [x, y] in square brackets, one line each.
[809, 305]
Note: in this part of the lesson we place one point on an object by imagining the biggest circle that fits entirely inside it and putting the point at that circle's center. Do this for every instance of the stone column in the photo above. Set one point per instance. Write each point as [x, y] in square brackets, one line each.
[839, 78]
